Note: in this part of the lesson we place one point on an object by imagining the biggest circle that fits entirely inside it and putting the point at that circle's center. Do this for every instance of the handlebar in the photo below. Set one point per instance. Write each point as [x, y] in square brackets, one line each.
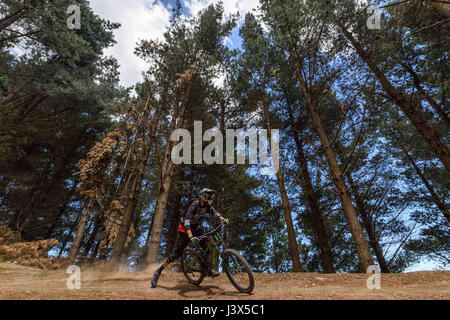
[205, 235]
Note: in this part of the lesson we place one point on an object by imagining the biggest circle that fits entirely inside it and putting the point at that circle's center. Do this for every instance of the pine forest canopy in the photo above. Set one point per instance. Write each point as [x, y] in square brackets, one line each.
[362, 115]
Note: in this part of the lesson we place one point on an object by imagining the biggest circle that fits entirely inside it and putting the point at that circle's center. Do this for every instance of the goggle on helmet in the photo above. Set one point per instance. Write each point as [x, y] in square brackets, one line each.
[207, 195]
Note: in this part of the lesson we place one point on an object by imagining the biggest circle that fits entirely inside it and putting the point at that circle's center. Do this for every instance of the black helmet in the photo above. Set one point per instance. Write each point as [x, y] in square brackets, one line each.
[206, 195]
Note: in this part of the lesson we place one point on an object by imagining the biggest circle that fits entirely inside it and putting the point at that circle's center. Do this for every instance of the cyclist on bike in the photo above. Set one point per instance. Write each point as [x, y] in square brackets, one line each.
[190, 229]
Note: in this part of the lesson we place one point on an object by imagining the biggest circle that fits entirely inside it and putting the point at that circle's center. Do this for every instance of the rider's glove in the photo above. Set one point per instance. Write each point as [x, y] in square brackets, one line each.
[225, 221]
[194, 240]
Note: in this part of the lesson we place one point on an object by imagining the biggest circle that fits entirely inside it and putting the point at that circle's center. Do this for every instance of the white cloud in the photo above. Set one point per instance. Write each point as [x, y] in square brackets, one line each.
[140, 19]
[230, 6]
[219, 80]
[147, 19]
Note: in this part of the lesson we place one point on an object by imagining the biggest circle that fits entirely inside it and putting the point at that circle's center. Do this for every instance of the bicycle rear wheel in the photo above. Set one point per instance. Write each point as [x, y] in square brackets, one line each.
[238, 271]
[192, 266]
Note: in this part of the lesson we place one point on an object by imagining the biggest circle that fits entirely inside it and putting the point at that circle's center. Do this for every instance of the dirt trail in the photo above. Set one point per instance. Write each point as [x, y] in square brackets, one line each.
[19, 282]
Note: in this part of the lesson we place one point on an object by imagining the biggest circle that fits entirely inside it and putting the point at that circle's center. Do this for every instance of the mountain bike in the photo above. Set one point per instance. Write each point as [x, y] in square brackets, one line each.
[233, 263]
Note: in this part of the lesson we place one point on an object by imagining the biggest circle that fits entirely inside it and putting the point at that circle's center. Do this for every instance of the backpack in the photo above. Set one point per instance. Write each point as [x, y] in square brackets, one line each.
[183, 215]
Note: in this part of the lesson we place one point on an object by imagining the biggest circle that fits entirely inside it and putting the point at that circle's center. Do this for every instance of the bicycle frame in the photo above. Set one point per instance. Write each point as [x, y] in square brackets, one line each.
[216, 240]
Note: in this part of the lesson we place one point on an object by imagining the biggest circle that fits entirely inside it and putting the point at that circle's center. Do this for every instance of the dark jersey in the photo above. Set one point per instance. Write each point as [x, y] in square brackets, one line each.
[196, 213]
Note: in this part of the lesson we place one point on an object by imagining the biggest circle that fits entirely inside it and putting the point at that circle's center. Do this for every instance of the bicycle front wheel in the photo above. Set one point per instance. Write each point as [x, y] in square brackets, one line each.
[238, 271]
[192, 266]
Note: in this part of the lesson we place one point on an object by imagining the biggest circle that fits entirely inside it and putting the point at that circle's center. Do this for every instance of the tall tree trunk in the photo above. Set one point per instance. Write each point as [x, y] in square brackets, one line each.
[127, 217]
[439, 149]
[293, 246]
[72, 228]
[102, 245]
[417, 85]
[219, 180]
[95, 252]
[122, 234]
[97, 224]
[318, 227]
[434, 197]
[80, 231]
[441, 6]
[99, 218]
[362, 247]
[368, 225]
[161, 204]
[143, 263]
[175, 216]
[218, 207]
[165, 182]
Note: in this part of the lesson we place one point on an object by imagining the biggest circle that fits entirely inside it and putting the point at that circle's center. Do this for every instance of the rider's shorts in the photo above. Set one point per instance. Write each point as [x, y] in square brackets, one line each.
[183, 241]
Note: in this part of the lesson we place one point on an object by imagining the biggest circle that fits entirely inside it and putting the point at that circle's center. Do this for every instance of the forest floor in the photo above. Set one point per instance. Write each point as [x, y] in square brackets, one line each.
[19, 282]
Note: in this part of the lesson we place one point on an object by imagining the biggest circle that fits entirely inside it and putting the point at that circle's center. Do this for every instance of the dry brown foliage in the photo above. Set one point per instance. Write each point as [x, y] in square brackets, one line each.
[7, 236]
[28, 253]
[93, 167]
[187, 74]
[114, 150]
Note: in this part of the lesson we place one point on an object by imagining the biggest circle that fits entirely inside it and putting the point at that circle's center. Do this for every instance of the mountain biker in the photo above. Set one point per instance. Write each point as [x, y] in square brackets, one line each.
[190, 229]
